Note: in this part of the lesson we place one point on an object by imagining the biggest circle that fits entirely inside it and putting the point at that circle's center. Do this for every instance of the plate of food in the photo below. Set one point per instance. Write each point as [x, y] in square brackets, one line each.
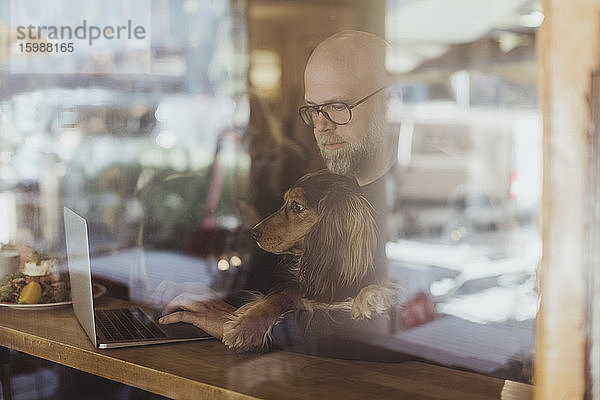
[39, 285]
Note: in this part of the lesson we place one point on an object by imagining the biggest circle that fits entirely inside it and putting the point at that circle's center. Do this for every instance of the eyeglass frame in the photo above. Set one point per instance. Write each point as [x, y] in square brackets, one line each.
[319, 108]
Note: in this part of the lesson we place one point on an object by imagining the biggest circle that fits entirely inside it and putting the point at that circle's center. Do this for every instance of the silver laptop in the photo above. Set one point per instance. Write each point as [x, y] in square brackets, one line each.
[111, 328]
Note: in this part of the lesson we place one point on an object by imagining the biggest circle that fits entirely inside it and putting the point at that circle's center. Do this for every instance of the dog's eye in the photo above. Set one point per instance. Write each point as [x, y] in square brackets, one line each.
[297, 207]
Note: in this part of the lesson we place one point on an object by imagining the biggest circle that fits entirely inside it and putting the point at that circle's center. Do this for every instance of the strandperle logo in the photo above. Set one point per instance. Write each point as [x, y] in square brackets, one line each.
[80, 37]
[83, 31]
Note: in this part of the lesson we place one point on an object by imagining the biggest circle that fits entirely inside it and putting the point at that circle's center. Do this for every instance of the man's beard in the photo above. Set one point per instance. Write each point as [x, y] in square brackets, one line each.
[354, 156]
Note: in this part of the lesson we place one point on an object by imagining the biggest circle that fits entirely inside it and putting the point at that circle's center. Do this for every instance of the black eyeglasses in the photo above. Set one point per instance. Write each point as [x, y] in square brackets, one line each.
[337, 112]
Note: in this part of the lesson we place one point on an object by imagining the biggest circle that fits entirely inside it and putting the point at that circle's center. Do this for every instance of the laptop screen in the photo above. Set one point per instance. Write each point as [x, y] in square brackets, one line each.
[78, 258]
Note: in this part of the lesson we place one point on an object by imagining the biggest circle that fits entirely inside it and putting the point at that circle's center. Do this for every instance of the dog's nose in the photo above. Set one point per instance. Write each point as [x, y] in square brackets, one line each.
[256, 233]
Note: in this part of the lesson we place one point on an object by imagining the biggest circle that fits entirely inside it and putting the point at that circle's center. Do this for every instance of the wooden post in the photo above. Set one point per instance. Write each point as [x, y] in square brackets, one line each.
[593, 250]
[569, 43]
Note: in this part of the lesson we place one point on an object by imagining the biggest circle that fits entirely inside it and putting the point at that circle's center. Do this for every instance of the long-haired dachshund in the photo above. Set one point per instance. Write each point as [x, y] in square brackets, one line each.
[330, 227]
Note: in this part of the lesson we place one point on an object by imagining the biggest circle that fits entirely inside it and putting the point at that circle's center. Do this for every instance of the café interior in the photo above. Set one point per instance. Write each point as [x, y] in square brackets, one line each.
[173, 157]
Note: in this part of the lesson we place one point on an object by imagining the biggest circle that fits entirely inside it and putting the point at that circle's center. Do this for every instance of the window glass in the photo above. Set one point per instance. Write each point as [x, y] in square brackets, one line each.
[152, 153]
[172, 148]
[465, 223]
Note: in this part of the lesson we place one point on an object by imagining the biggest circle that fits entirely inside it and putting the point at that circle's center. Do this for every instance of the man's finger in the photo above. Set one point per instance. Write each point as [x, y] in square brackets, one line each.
[171, 307]
[211, 322]
[190, 302]
[179, 316]
[182, 301]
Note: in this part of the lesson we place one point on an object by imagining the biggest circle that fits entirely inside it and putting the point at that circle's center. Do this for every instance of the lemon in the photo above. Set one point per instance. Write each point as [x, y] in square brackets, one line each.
[31, 293]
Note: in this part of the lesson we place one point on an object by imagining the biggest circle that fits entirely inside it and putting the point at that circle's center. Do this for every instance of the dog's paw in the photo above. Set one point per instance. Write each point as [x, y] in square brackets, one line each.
[243, 335]
[374, 299]
[247, 333]
[249, 328]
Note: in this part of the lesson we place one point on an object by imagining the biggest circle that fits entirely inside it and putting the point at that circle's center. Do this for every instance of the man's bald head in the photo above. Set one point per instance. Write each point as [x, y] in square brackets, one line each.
[349, 58]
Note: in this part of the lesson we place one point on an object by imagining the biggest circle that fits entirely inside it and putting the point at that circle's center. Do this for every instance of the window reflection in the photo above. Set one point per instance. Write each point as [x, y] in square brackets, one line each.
[465, 224]
[181, 162]
[96, 143]
[155, 161]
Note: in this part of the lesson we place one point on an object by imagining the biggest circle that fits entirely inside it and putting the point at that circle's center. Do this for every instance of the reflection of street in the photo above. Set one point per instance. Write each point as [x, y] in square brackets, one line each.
[496, 349]
[485, 299]
[488, 277]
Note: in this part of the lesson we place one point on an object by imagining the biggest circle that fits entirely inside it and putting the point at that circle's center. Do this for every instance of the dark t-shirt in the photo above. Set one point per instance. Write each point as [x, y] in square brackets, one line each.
[376, 193]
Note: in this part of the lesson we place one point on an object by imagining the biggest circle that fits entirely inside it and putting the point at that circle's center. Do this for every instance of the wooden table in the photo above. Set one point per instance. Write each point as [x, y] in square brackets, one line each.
[207, 369]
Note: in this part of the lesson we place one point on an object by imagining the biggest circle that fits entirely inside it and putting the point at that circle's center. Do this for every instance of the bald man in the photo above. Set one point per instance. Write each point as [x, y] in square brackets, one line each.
[345, 80]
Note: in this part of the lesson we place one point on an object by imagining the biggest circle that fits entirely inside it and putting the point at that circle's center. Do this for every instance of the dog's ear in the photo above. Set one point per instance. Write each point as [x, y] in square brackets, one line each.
[339, 248]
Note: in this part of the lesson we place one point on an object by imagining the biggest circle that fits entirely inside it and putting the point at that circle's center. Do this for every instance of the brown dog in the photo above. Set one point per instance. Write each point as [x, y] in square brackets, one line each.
[329, 226]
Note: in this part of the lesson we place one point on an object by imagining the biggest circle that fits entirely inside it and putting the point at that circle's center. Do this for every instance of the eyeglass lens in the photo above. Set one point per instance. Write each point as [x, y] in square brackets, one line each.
[338, 113]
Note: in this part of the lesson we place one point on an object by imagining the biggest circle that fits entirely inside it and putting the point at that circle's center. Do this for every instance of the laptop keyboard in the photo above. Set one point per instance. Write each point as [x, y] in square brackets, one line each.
[127, 324]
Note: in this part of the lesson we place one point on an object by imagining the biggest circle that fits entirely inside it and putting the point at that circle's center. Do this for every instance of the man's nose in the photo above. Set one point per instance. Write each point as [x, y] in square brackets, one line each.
[322, 123]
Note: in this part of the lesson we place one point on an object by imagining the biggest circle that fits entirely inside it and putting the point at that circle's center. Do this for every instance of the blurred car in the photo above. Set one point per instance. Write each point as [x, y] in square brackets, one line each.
[463, 169]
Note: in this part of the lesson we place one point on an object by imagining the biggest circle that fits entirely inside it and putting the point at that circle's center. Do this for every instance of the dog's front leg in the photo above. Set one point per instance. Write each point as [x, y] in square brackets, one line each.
[249, 328]
[374, 299]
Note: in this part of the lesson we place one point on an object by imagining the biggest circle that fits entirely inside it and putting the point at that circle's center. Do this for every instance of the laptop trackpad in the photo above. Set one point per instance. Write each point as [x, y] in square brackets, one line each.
[182, 330]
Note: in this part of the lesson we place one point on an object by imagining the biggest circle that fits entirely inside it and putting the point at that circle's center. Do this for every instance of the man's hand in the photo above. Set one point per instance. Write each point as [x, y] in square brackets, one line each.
[205, 312]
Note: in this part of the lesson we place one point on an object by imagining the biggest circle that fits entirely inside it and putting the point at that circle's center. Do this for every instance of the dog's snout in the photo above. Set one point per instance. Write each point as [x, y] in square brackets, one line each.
[256, 233]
